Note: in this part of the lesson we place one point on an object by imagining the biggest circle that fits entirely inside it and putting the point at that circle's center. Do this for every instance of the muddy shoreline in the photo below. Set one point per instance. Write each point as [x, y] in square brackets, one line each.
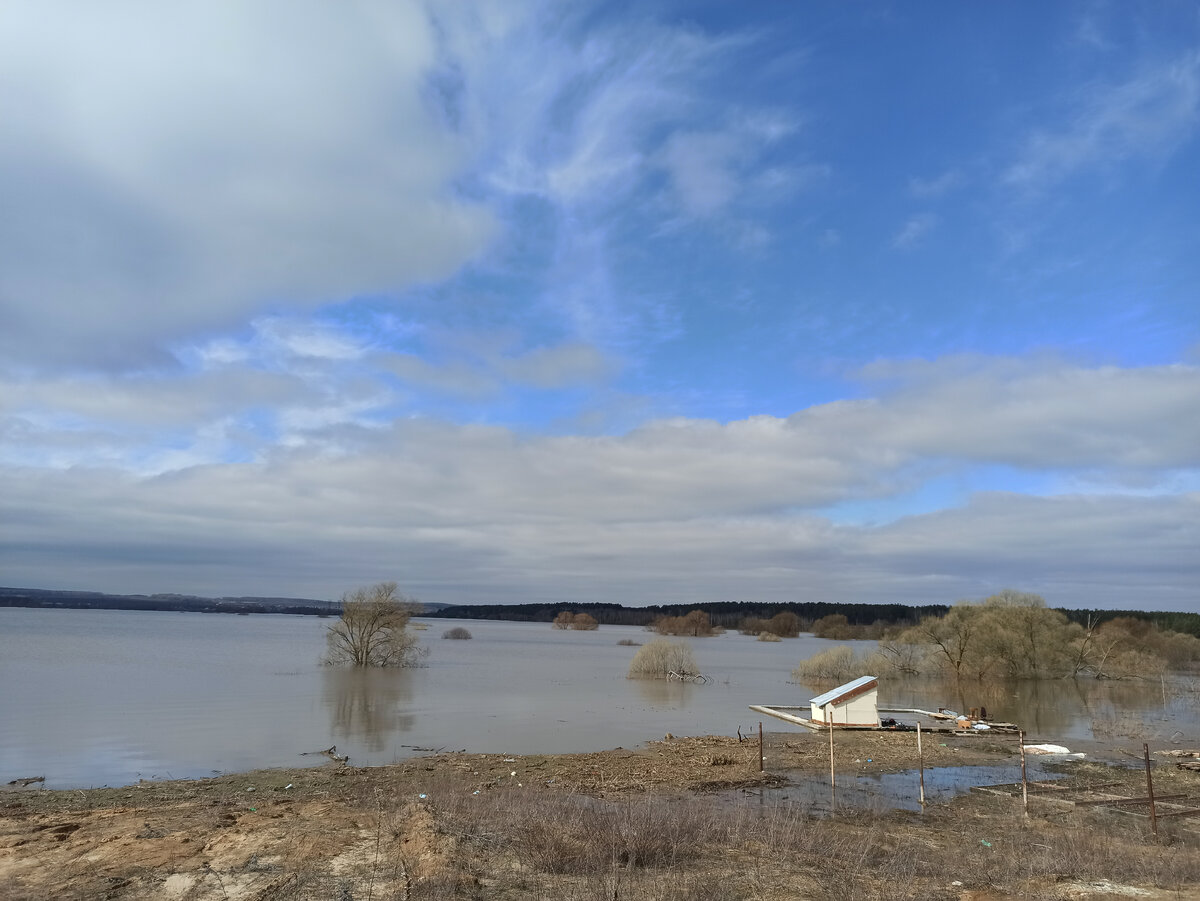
[457, 825]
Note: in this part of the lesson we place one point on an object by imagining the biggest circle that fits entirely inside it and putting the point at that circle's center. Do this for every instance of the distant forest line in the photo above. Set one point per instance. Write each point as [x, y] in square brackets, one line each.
[731, 614]
[178, 603]
[727, 614]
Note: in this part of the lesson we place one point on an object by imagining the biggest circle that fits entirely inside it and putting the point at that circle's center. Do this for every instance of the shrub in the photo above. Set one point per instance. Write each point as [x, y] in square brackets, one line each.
[629, 643]
[768, 636]
[660, 658]
[784, 624]
[458, 632]
[583, 622]
[833, 664]
[580, 622]
[835, 627]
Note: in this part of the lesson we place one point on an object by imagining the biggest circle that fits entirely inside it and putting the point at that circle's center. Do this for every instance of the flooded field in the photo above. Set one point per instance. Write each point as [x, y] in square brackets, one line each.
[110, 697]
[898, 791]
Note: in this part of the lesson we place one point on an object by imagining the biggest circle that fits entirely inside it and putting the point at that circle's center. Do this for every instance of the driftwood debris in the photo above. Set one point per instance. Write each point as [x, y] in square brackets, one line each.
[330, 752]
[30, 781]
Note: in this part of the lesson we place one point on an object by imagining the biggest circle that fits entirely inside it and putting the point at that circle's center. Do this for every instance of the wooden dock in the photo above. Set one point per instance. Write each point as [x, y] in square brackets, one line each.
[791, 713]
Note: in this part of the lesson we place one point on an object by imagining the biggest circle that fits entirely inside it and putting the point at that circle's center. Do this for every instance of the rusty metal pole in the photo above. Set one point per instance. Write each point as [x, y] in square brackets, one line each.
[921, 763]
[1150, 791]
[832, 778]
[1024, 777]
[760, 747]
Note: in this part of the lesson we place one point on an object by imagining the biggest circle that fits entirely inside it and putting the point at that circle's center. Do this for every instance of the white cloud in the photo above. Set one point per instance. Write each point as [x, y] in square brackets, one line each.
[1146, 117]
[914, 231]
[555, 367]
[936, 186]
[173, 168]
[675, 509]
[309, 339]
[1042, 413]
[701, 167]
[712, 170]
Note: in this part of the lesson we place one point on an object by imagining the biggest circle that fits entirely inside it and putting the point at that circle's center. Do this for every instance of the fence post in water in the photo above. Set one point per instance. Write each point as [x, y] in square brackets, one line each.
[760, 747]
[921, 763]
[1024, 778]
[1150, 791]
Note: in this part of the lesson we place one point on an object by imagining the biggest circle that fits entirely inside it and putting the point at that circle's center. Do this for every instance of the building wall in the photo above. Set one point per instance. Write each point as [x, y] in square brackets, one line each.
[860, 711]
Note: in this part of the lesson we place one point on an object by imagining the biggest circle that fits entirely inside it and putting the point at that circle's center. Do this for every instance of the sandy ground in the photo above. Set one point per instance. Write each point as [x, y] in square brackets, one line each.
[346, 832]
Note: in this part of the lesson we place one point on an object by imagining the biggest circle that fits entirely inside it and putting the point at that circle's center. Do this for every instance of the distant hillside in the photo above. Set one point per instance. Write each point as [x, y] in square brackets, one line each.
[95, 600]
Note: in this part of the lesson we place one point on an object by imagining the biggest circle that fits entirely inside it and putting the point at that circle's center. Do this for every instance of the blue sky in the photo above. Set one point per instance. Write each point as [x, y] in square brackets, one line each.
[618, 302]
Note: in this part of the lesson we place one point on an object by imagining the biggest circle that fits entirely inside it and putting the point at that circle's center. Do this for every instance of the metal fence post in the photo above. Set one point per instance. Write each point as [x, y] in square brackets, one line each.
[1150, 791]
[921, 763]
[832, 777]
[1024, 777]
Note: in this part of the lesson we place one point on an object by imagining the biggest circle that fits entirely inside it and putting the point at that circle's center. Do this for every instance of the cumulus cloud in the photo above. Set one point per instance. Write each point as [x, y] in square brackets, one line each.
[676, 509]
[312, 527]
[166, 170]
[1043, 413]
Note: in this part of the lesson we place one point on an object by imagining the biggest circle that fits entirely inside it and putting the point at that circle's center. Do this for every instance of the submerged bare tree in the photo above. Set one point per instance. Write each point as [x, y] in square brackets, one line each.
[373, 630]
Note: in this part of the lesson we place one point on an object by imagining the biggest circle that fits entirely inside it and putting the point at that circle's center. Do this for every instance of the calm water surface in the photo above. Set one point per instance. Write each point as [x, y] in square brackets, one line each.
[110, 697]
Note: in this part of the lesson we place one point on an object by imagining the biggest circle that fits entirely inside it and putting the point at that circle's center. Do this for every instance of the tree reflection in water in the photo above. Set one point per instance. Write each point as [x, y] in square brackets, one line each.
[661, 693]
[366, 703]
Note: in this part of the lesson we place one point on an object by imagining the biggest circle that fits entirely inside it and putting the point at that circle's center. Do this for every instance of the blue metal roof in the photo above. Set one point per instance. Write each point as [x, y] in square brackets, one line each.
[857, 686]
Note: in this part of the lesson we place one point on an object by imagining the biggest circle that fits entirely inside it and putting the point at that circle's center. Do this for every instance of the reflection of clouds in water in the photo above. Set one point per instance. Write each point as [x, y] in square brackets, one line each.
[365, 704]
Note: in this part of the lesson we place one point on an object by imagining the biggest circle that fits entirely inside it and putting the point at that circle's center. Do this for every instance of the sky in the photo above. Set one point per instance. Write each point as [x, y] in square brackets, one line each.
[626, 302]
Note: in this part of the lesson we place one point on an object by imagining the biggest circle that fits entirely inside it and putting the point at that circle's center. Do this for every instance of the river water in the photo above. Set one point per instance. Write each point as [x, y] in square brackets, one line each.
[92, 698]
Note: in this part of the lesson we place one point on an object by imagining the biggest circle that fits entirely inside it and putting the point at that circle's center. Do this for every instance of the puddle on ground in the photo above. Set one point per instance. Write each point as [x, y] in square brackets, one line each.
[893, 791]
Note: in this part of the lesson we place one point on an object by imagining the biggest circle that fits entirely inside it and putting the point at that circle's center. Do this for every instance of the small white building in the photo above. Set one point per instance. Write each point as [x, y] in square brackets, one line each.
[854, 704]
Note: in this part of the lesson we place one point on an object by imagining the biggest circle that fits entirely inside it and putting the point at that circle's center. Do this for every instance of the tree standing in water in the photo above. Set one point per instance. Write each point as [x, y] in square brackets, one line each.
[373, 629]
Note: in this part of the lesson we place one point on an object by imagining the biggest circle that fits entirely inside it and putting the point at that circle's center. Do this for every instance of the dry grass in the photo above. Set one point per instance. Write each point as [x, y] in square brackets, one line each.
[464, 827]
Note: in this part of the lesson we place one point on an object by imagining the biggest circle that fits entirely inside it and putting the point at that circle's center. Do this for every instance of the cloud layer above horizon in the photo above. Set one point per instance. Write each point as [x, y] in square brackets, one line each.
[539, 301]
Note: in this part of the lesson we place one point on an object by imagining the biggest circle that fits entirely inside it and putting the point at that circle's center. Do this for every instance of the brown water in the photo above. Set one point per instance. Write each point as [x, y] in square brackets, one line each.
[110, 697]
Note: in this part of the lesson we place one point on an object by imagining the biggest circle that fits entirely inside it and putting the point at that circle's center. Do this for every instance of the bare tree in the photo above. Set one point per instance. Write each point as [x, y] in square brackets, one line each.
[955, 639]
[697, 623]
[660, 658]
[373, 629]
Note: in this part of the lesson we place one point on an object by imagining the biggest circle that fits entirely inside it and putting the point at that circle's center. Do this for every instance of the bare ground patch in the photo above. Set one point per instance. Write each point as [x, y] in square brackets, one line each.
[629, 824]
